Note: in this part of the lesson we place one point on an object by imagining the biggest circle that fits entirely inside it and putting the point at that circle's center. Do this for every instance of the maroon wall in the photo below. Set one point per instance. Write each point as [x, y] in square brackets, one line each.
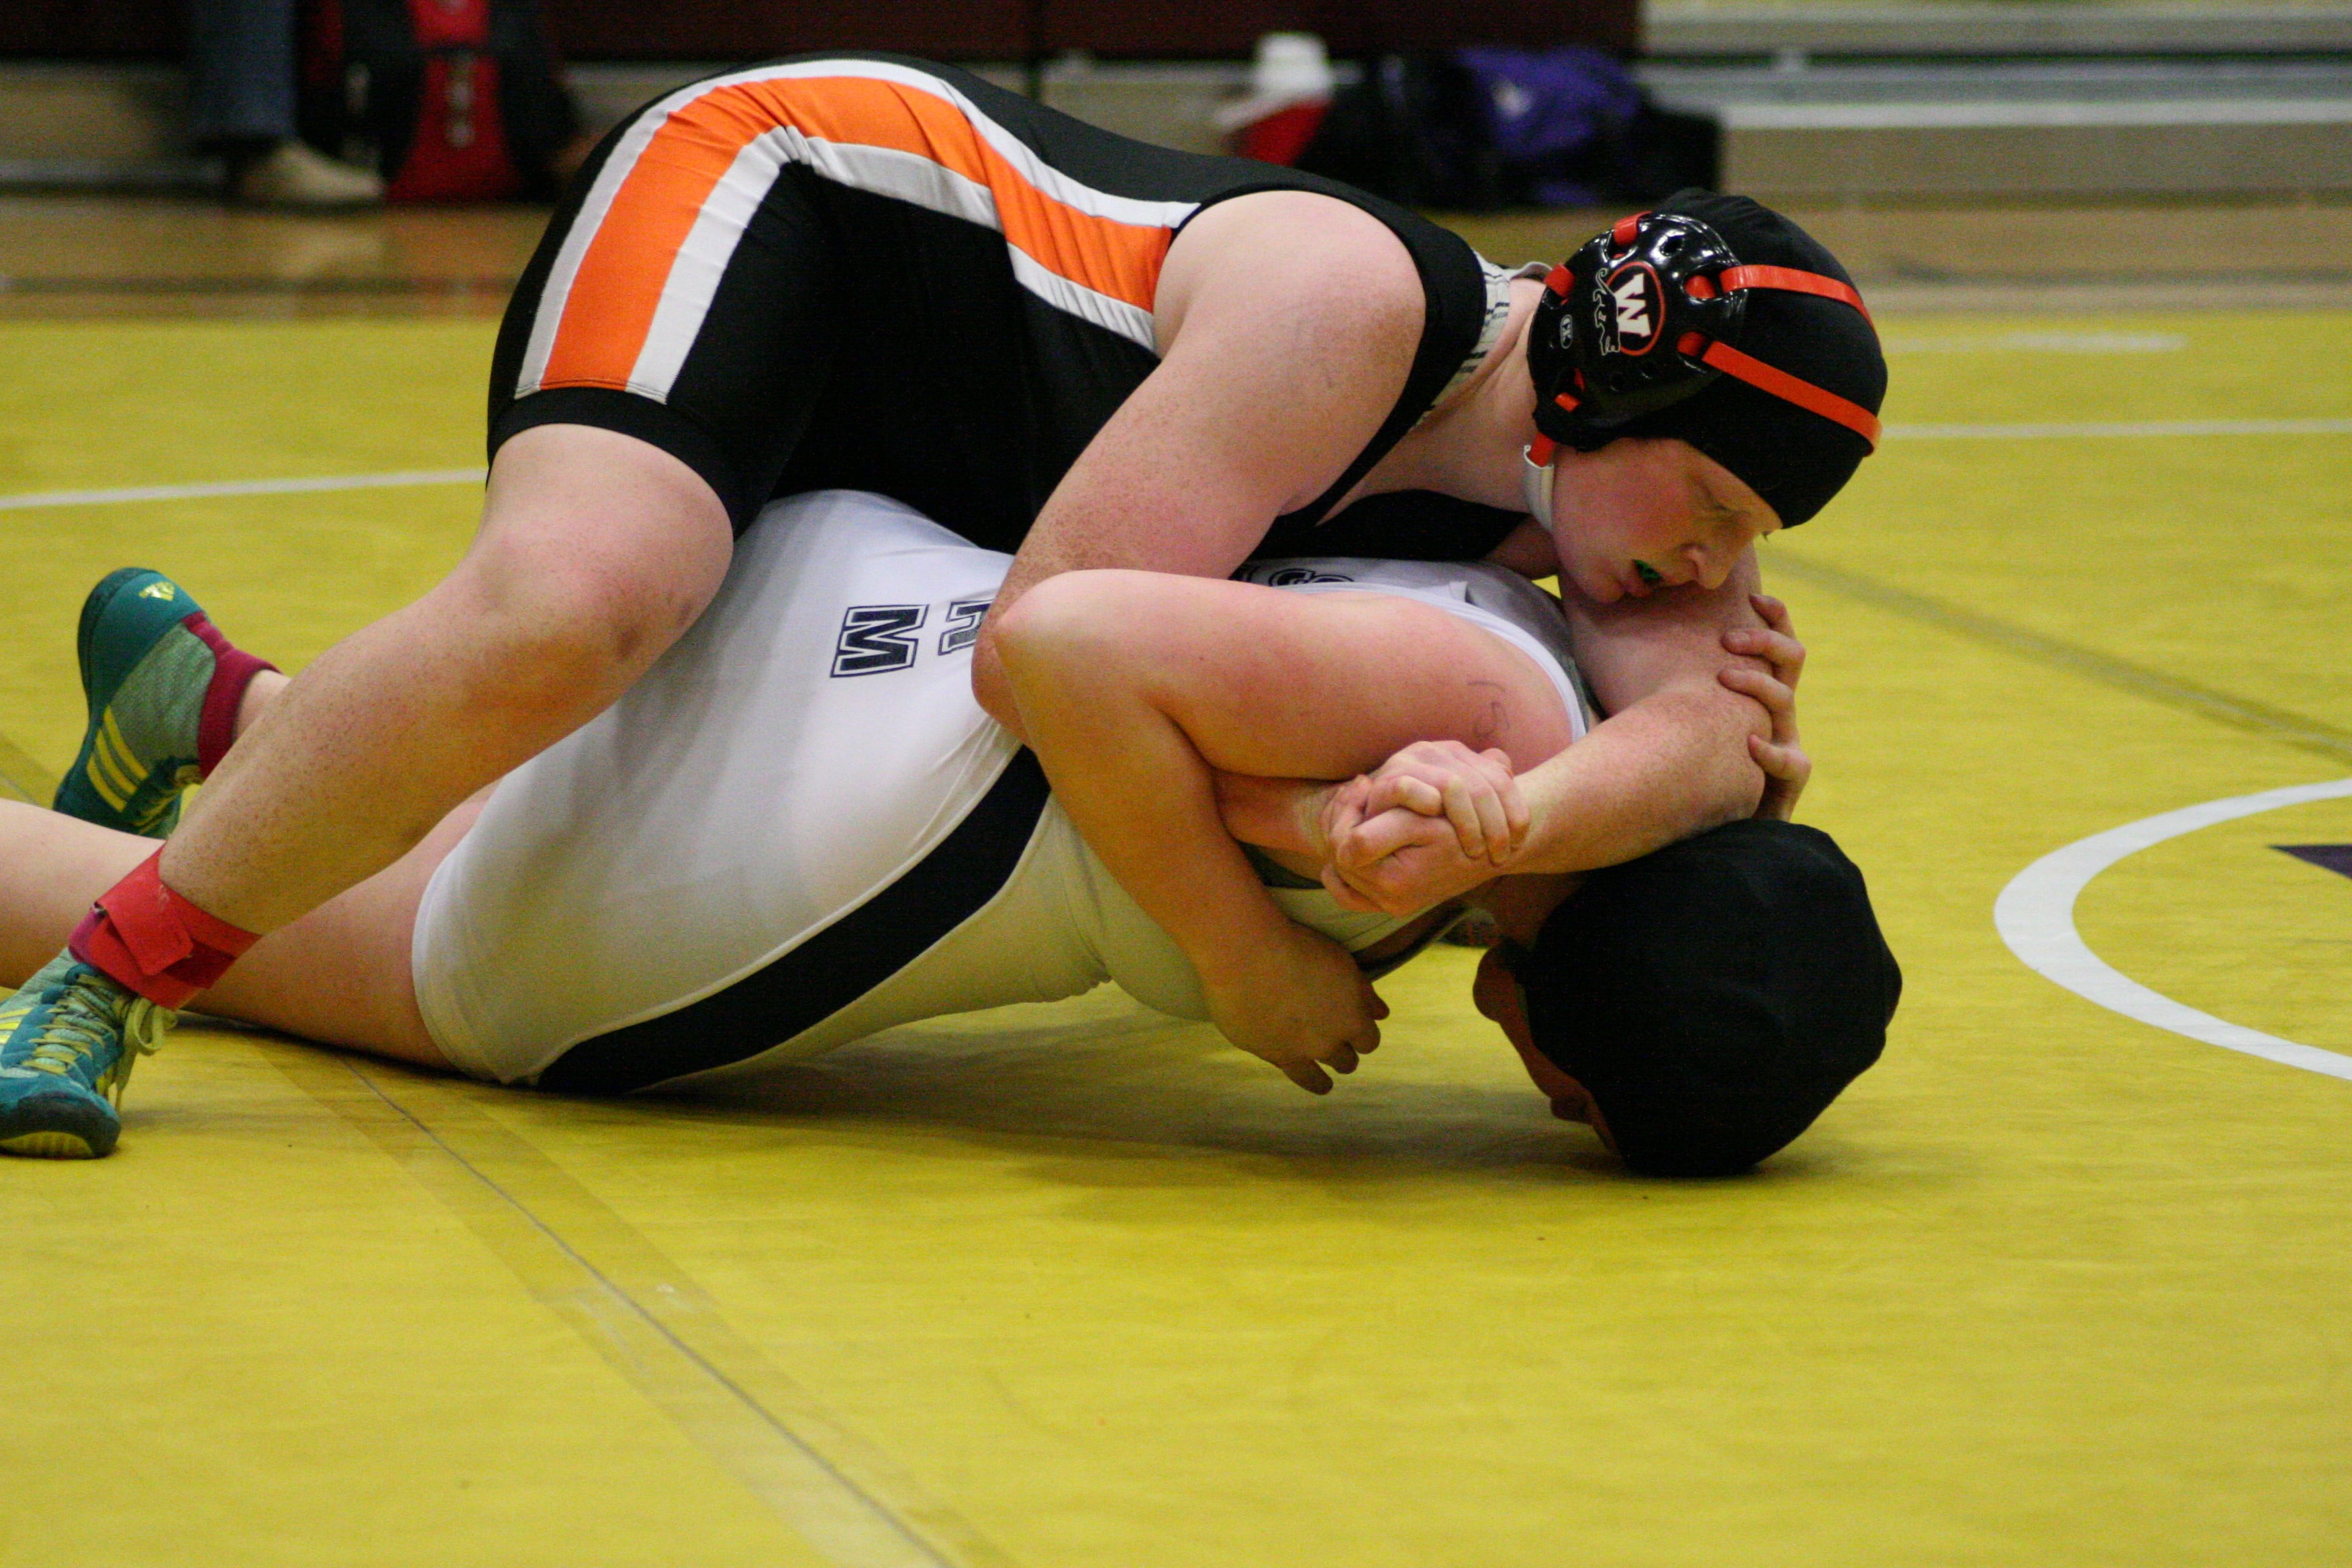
[93, 29]
[945, 30]
[1001, 29]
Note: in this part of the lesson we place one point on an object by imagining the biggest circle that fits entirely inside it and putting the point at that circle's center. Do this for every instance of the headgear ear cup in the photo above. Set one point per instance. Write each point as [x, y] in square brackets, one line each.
[1607, 344]
[1652, 314]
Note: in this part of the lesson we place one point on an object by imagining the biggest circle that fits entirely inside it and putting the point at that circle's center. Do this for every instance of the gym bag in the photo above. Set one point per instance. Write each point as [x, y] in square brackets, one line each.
[452, 100]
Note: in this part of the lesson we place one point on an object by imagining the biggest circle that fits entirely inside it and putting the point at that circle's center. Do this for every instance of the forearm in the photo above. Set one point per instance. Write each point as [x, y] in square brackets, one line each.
[1671, 765]
[1274, 814]
[1137, 791]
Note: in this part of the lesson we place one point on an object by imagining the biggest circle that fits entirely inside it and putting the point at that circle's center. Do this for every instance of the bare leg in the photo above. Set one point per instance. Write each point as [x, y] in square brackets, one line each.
[596, 550]
[260, 694]
[339, 974]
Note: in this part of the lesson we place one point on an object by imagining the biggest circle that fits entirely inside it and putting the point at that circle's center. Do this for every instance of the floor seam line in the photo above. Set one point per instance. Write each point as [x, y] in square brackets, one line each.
[743, 1397]
[2278, 724]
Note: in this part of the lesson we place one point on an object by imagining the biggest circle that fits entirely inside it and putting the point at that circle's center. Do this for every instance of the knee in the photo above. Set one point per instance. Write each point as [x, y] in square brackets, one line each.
[555, 639]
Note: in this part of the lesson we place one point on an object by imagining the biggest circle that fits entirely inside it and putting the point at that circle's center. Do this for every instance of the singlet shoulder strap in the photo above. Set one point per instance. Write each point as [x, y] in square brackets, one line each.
[1454, 316]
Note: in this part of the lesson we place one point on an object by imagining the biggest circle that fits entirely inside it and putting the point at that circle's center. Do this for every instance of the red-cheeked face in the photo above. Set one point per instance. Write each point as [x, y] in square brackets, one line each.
[1496, 993]
[1641, 515]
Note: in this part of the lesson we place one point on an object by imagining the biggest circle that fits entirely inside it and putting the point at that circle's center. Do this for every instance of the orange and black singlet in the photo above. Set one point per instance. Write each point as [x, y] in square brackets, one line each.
[870, 272]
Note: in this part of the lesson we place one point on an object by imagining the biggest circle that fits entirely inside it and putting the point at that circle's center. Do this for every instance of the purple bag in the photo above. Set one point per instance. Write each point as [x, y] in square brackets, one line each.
[1549, 111]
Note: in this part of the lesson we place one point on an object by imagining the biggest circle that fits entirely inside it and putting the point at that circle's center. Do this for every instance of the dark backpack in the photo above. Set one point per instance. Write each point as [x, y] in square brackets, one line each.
[1474, 130]
[450, 99]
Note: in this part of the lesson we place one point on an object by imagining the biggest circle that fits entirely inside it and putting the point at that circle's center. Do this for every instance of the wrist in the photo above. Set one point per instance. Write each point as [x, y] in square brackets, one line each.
[1284, 815]
[1235, 957]
[1311, 815]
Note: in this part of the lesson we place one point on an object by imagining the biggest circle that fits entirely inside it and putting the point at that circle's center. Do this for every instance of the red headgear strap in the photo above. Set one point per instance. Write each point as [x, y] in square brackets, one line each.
[1789, 389]
[1778, 382]
[1790, 280]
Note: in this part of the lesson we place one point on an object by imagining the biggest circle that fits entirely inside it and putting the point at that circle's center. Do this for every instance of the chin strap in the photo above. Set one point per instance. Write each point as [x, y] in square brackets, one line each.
[1536, 473]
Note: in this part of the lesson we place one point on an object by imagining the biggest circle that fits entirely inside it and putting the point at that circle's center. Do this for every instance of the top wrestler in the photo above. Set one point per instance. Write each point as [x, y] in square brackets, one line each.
[867, 271]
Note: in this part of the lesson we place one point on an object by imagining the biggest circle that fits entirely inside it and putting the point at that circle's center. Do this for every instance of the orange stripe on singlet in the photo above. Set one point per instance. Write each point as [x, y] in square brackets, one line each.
[610, 306]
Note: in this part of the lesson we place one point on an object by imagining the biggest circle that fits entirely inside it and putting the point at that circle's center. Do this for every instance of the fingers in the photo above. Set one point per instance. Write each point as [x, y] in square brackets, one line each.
[1413, 794]
[1344, 810]
[1775, 642]
[1781, 756]
[1480, 798]
[1784, 653]
[1516, 818]
[1779, 698]
[1788, 763]
[1403, 863]
[1787, 770]
[1381, 837]
[1469, 819]
[1309, 1077]
[1492, 811]
[1344, 895]
[1342, 1056]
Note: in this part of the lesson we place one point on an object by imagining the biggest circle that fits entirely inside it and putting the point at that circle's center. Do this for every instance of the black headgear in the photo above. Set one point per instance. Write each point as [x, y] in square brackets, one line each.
[1715, 996]
[1717, 322]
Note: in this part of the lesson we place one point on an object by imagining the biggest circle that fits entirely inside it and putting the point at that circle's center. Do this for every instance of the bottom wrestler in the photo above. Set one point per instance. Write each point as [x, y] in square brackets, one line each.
[800, 829]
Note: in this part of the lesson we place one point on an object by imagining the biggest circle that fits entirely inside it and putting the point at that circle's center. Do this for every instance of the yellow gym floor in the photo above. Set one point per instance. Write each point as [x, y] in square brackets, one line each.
[1072, 1287]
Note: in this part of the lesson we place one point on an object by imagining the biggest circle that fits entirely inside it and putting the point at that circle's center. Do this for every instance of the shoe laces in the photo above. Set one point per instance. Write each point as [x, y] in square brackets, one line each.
[83, 1021]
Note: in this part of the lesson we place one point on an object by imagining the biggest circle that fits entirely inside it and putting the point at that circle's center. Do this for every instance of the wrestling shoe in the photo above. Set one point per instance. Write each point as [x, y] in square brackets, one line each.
[148, 658]
[68, 1042]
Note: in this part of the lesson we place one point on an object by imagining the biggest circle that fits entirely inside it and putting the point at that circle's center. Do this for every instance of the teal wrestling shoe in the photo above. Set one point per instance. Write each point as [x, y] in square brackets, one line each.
[149, 657]
[68, 1042]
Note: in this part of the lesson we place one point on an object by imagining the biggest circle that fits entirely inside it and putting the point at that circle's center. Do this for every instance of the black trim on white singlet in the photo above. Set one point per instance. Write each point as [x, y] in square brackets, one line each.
[833, 968]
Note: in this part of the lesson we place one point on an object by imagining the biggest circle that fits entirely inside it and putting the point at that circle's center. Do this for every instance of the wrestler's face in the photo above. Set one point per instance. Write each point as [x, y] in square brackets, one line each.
[1497, 995]
[1638, 516]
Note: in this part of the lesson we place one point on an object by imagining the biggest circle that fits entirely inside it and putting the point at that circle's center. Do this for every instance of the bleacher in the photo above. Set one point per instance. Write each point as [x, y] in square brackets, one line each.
[1818, 103]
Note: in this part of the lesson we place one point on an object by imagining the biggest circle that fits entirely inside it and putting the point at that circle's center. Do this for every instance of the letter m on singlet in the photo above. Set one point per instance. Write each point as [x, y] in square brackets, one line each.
[877, 638]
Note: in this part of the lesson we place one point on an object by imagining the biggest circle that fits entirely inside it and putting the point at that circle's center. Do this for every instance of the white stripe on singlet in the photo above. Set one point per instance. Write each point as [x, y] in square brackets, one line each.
[703, 260]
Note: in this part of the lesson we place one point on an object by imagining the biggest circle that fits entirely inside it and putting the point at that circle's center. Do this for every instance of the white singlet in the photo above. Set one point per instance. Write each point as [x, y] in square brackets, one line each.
[800, 829]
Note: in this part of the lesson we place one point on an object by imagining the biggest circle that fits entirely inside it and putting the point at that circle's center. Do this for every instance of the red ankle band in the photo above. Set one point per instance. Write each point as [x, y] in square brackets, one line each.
[155, 942]
[232, 671]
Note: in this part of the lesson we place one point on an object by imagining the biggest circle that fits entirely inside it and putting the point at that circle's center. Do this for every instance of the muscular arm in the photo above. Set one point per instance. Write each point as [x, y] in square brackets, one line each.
[1272, 379]
[1673, 757]
[1134, 686]
[1673, 760]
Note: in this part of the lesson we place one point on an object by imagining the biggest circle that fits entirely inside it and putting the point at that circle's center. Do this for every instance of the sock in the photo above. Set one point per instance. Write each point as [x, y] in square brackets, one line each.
[232, 671]
[153, 942]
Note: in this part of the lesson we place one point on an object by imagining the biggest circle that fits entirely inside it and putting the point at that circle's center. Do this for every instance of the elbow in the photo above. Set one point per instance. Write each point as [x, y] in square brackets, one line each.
[1743, 791]
[1062, 627]
[1026, 631]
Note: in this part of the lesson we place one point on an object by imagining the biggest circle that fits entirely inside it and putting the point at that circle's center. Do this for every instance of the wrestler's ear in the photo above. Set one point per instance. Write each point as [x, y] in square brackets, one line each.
[1496, 993]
